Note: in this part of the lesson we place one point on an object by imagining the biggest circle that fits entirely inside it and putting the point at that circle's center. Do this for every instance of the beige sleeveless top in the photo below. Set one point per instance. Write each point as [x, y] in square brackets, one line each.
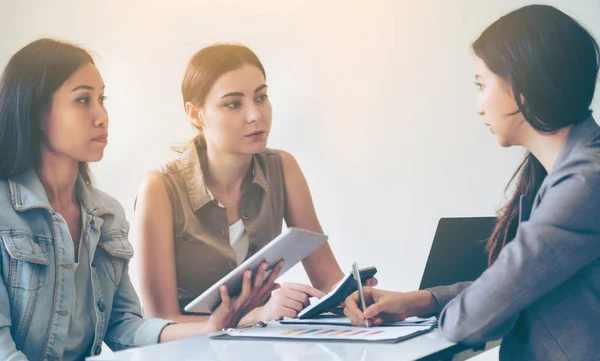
[203, 252]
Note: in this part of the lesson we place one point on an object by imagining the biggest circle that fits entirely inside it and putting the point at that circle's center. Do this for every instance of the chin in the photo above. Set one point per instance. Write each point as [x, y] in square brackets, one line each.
[256, 148]
[91, 158]
[504, 143]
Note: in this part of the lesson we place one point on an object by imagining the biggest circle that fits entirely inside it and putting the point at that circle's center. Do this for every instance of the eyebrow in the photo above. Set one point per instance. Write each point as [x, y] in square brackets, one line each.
[477, 76]
[86, 87]
[238, 94]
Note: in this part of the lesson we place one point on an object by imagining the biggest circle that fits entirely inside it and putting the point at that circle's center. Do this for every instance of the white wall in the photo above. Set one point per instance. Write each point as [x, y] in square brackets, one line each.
[375, 99]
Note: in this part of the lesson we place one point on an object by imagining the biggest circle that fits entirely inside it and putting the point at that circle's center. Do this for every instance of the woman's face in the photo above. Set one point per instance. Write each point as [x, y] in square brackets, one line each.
[76, 124]
[497, 104]
[236, 115]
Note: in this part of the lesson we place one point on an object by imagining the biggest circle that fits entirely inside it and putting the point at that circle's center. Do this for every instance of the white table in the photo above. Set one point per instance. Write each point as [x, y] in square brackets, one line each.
[430, 346]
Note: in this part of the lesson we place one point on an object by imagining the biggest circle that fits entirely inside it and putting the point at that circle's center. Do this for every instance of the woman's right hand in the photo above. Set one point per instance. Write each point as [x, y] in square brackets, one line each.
[230, 311]
[388, 306]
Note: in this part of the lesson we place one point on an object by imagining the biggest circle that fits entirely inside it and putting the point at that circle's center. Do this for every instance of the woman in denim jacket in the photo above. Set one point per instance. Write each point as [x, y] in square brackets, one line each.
[64, 252]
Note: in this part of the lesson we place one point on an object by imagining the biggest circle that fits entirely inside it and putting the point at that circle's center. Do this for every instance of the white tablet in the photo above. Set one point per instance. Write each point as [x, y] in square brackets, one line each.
[293, 245]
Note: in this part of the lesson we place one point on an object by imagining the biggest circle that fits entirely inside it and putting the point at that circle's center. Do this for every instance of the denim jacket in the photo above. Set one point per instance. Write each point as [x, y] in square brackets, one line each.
[36, 265]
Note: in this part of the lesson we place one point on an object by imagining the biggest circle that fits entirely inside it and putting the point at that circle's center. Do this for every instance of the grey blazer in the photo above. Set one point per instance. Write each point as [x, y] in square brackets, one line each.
[542, 295]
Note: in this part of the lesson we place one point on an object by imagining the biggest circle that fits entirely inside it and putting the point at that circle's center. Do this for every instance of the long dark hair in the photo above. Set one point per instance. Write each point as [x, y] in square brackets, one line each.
[28, 82]
[551, 62]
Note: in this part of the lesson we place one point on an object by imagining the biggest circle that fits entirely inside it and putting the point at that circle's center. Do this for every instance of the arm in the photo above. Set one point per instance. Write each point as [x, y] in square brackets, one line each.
[8, 349]
[561, 238]
[127, 328]
[444, 294]
[321, 266]
[152, 235]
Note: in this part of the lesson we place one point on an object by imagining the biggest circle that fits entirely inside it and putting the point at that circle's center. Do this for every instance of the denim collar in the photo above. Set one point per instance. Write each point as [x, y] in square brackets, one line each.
[27, 192]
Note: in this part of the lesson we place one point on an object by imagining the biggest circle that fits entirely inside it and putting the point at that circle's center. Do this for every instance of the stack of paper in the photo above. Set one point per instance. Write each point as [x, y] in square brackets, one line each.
[275, 330]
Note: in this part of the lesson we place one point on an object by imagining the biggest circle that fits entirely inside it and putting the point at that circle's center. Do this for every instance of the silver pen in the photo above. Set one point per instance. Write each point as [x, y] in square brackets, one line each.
[361, 294]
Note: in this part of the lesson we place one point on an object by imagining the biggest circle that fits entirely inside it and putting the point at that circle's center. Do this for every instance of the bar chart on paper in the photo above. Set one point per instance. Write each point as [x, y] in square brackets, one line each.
[330, 333]
[333, 333]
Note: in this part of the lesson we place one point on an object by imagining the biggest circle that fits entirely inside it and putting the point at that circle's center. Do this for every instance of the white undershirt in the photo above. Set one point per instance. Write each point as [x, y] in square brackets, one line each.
[238, 238]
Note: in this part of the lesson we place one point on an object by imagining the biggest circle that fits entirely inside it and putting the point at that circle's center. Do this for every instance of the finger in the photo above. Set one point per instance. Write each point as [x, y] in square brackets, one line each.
[354, 319]
[260, 274]
[225, 299]
[274, 273]
[311, 291]
[369, 294]
[287, 312]
[246, 287]
[264, 292]
[292, 304]
[374, 310]
[371, 282]
[376, 321]
[352, 307]
[293, 294]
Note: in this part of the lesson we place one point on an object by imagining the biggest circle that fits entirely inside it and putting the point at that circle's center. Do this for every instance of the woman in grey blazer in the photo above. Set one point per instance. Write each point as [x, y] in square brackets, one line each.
[536, 69]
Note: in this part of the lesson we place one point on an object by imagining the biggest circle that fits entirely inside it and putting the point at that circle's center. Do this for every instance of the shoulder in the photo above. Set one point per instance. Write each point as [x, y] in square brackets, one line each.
[581, 169]
[570, 194]
[283, 157]
[108, 202]
[171, 168]
[281, 162]
[153, 188]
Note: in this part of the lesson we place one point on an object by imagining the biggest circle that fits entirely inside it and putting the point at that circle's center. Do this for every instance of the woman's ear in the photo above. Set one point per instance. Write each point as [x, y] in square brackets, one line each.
[194, 114]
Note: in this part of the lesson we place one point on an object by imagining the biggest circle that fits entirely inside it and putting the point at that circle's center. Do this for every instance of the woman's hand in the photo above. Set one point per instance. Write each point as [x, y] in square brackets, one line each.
[388, 306]
[287, 301]
[230, 311]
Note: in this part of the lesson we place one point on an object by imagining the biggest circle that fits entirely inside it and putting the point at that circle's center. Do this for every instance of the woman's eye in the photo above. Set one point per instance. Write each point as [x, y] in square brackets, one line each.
[84, 100]
[233, 105]
[261, 98]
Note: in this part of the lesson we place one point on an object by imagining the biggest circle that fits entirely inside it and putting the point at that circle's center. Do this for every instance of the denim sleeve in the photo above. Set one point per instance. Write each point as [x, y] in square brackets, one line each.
[561, 237]
[127, 328]
[8, 349]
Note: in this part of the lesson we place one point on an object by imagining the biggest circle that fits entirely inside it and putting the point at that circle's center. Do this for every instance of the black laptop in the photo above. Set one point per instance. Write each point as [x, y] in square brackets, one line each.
[458, 251]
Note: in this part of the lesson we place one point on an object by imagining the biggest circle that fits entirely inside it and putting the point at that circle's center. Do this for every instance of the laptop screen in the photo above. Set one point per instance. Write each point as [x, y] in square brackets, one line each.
[458, 251]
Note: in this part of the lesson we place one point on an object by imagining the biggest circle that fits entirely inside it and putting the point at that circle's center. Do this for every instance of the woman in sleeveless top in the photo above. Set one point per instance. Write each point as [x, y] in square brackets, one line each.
[536, 70]
[64, 253]
[200, 216]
